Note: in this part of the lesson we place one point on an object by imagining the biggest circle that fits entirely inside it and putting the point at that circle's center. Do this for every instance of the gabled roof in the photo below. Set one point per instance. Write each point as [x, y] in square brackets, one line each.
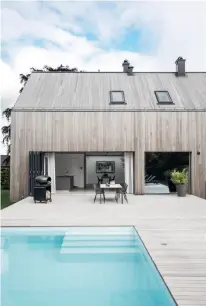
[87, 91]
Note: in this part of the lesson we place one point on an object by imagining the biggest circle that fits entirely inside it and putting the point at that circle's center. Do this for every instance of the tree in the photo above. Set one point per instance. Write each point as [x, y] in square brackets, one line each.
[6, 130]
[23, 80]
[24, 77]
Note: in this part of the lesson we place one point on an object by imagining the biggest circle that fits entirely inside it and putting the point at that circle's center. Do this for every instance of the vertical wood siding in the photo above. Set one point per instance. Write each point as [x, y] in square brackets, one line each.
[63, 132]
[170, 132]
[108, 131]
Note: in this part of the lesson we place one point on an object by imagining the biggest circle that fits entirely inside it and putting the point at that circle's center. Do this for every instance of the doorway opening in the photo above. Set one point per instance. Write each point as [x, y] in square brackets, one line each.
[106, 167]
[69, 171]
[158, 166]
[81, 170]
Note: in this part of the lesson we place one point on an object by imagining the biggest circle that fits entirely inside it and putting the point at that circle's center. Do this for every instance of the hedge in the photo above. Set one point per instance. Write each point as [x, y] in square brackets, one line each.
[5, 178]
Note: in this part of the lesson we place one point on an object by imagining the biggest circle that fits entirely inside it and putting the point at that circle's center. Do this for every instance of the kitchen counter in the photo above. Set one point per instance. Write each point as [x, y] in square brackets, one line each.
[64, 182]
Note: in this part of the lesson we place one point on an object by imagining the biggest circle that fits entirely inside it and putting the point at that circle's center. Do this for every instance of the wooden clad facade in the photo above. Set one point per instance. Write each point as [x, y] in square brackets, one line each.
[101, 131]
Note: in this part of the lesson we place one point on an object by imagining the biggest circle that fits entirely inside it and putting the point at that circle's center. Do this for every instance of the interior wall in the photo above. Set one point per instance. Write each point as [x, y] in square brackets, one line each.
[71, 165]
[91, 175]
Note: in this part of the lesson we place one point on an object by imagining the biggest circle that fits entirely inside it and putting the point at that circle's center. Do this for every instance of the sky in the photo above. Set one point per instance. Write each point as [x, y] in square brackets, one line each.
[98, 35]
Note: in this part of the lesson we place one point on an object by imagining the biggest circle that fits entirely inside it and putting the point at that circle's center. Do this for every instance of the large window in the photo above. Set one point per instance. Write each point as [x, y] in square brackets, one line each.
[117, 97]
[163, 97]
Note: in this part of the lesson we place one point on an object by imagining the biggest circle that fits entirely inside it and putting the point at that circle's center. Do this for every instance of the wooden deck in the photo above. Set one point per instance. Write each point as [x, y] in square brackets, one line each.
[180, 256]
[173, 230]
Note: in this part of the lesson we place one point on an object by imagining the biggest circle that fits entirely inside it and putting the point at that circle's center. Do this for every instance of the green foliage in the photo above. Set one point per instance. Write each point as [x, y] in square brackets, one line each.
[6, 130]
[24, 77]
[5, 198]
[7, 113]
[179, 177]
[167, 173]
[160, 164]
[5, 178]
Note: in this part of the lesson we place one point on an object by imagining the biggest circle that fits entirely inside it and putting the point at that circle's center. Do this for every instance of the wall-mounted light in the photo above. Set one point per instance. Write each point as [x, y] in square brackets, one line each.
[198, 152]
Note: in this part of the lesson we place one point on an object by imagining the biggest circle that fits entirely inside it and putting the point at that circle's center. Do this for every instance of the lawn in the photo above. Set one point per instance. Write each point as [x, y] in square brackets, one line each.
[5, 200]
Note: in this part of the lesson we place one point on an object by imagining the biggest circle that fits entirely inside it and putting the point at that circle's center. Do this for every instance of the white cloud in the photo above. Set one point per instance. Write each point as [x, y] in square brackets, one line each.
[9, 88]
[177, 28]
[9, 83]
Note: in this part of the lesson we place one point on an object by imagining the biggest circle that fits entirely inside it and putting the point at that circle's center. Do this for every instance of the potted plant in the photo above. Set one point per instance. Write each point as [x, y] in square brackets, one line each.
[180, 179]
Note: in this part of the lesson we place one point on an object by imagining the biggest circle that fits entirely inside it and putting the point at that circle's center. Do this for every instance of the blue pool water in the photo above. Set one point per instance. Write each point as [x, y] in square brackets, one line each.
[78, 267]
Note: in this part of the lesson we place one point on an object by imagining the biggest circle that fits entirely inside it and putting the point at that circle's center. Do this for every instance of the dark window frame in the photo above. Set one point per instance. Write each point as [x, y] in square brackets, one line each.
[163, 102]
[117, 102]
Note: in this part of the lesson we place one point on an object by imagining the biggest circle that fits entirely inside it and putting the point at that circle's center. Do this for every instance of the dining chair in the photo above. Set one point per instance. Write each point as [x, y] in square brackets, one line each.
[99, 180]
[112, 179]
[123, 192]
[98, 191]
[105, 180]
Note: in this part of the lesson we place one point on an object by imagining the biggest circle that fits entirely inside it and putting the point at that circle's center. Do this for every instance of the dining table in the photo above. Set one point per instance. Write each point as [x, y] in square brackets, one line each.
[116, 187]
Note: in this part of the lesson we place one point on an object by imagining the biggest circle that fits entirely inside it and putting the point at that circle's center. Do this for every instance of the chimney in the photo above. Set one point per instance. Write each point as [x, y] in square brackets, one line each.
[125, 66]
[130, 70]
[180, 66]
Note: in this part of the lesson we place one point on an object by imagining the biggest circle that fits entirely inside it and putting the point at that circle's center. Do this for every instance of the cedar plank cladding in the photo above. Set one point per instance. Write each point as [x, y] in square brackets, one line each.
[108, 131]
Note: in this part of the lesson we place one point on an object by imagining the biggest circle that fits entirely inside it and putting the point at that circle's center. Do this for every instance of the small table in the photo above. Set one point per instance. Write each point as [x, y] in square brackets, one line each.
[116, 187]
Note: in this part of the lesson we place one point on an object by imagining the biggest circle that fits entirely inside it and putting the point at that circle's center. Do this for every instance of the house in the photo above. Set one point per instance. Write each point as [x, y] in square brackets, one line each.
[66, 124]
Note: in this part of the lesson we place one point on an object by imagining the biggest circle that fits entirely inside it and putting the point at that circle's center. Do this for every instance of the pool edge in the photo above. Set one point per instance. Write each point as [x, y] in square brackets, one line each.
[155, 266]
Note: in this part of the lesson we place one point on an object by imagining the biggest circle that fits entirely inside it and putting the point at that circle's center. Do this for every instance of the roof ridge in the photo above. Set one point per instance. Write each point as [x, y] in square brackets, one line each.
[82, 72]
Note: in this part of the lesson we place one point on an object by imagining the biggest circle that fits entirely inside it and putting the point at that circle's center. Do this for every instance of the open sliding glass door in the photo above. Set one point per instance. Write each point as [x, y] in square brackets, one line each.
[49, 169]
[129, 171]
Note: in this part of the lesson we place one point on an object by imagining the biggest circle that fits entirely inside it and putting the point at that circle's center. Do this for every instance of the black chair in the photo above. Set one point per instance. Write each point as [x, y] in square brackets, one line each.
[112, 178]
[105, 178]
[99, 180]
[105, 175]
[99, 191]
[123, 192]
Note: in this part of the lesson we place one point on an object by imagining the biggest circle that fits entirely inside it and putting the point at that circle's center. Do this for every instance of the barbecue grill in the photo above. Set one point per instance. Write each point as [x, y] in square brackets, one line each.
[42, 189]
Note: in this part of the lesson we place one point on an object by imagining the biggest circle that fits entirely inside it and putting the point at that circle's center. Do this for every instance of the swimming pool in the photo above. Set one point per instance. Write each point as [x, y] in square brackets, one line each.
[77, 266]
